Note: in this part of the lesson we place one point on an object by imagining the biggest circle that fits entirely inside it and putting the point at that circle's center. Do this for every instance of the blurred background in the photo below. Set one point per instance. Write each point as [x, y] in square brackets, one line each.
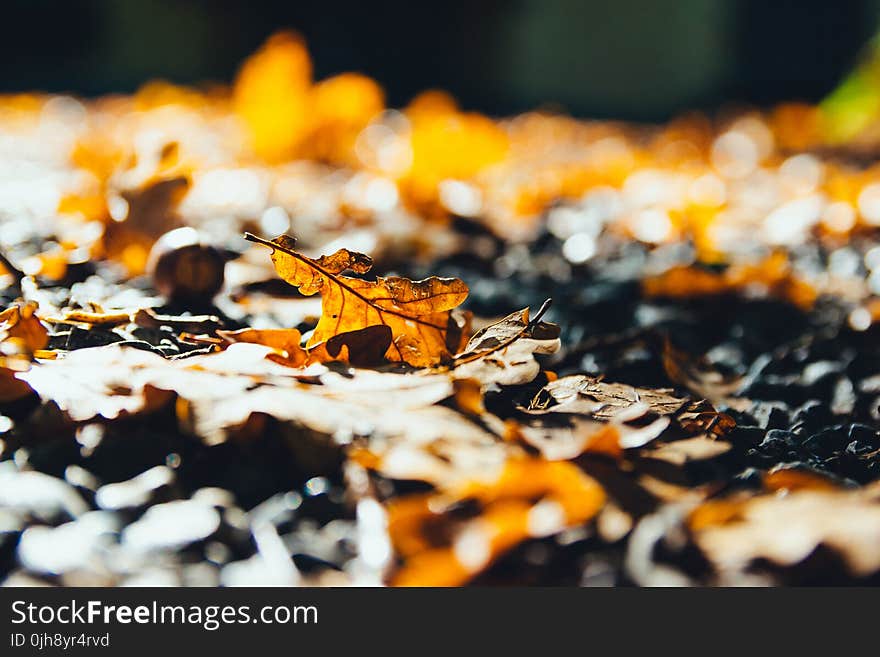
[631, 59]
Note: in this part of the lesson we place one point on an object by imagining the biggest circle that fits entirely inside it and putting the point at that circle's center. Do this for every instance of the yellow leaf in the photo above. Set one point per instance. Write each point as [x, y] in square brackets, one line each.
[272, 96]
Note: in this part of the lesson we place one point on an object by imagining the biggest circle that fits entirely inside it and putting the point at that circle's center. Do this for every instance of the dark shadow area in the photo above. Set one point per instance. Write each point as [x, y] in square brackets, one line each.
[633, 59]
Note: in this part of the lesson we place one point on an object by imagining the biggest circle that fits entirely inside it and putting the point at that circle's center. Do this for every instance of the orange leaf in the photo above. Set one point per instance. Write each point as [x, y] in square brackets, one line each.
[19, 323]
[531, 498]
[286, 342]
[773, 276]
[417, 312]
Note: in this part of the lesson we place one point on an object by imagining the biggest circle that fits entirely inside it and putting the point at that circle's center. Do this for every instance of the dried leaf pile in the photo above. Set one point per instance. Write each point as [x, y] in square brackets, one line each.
[532, 350]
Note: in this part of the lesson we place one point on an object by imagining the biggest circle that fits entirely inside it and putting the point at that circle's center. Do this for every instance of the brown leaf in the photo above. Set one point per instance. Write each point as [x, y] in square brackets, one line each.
[417, 312]
[794, 478]
[149, 318]
[504, 352]
[697, 375]
[106, 319]
[578, 436]
[603, 401]
[587, 395]
[364, 347]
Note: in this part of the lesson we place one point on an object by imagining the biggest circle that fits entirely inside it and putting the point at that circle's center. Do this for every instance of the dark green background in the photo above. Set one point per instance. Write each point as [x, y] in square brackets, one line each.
[639, 59]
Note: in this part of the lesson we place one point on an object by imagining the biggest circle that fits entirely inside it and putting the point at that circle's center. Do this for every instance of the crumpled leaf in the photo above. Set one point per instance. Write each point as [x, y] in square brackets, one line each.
[698, 376]
[503, 353]
[19, 322]
[418, 312]
[600, 400]
[604, 401]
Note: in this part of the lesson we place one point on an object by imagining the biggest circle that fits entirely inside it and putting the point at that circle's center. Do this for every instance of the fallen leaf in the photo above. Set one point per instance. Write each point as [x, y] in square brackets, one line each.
[284, 342]
[11, 387]
[697, 375]
[92, 318]
[577, 435]
[590, 396]
[503, 353]
[603, 401]
[364, 347]
[418, 312]
[149, 318]
[789, 478]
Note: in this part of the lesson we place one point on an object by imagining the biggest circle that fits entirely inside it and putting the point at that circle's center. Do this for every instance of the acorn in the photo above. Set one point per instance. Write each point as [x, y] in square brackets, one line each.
[184, 267]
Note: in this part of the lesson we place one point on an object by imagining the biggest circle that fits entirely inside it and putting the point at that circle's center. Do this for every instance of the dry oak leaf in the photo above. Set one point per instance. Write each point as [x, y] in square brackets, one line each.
[587, 395]
[590, 395]
[503, 353]
[19, 323]
[423, 328]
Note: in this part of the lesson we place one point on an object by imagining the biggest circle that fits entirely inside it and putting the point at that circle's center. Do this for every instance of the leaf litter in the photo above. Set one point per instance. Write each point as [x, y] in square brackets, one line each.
[698, 404]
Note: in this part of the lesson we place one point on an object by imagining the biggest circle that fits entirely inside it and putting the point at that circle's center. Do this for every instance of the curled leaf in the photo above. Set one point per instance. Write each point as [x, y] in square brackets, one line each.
[504, 352]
